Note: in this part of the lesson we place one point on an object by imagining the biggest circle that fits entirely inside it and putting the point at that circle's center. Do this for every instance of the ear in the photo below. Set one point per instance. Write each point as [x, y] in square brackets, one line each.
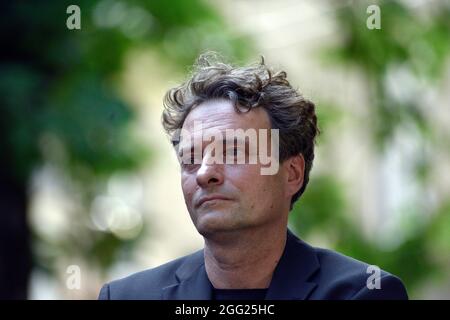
[295, 174]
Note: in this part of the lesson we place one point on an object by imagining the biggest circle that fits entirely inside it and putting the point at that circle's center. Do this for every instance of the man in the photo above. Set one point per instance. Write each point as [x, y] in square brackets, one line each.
[240, 202]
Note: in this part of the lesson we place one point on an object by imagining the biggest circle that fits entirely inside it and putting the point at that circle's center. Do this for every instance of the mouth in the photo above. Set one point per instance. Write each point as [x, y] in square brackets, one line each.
[211, 198]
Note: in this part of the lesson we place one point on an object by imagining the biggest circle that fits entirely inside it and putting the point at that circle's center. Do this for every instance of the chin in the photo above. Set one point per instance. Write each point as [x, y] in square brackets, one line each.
[220, 227]
[214, 222]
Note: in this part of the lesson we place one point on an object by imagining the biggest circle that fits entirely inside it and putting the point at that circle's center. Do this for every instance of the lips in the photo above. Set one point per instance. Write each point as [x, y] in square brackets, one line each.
[209, 198]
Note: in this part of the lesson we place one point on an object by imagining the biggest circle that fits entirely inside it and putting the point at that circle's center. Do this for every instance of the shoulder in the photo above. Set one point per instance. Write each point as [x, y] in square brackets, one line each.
[147, 284]
[343, 277]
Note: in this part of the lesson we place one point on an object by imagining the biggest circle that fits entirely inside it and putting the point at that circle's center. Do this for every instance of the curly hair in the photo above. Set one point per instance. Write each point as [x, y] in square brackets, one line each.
[248, 87]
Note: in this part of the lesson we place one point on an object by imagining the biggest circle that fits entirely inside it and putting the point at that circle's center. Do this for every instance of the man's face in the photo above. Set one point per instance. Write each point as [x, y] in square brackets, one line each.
[237, 196]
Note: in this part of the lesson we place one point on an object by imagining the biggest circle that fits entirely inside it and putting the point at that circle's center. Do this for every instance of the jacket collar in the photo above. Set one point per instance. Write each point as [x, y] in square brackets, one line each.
[289, 282]
[193, 282]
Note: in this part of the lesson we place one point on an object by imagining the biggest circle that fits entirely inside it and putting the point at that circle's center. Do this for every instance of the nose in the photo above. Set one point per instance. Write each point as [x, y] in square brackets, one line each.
[209, 174]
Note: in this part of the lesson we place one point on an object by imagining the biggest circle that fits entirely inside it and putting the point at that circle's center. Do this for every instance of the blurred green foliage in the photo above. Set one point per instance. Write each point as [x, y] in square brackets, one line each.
[420, 45]
[416, 43]
[60, 103]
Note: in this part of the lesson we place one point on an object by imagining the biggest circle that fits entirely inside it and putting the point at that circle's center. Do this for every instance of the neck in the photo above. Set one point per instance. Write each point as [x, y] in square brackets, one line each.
[244, 259]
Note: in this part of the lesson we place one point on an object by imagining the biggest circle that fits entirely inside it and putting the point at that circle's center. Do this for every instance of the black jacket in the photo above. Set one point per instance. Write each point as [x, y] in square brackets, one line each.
[303, 272]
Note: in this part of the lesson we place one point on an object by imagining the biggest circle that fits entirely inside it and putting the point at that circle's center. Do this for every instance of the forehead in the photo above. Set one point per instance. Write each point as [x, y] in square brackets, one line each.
[221, 115]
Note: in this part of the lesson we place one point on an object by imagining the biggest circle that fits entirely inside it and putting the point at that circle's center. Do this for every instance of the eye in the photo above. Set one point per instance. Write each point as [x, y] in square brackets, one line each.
[191, 162]
[232, 153]
[189, 166]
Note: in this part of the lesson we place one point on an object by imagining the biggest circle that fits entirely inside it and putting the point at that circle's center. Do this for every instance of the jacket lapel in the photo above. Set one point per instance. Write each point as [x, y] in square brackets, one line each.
[289, 281]
[296, 266]
[193, 281]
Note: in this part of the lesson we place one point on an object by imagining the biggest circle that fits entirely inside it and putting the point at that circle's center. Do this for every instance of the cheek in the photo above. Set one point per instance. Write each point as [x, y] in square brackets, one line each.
[188, 187]
[267, 192]
[256, 188]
